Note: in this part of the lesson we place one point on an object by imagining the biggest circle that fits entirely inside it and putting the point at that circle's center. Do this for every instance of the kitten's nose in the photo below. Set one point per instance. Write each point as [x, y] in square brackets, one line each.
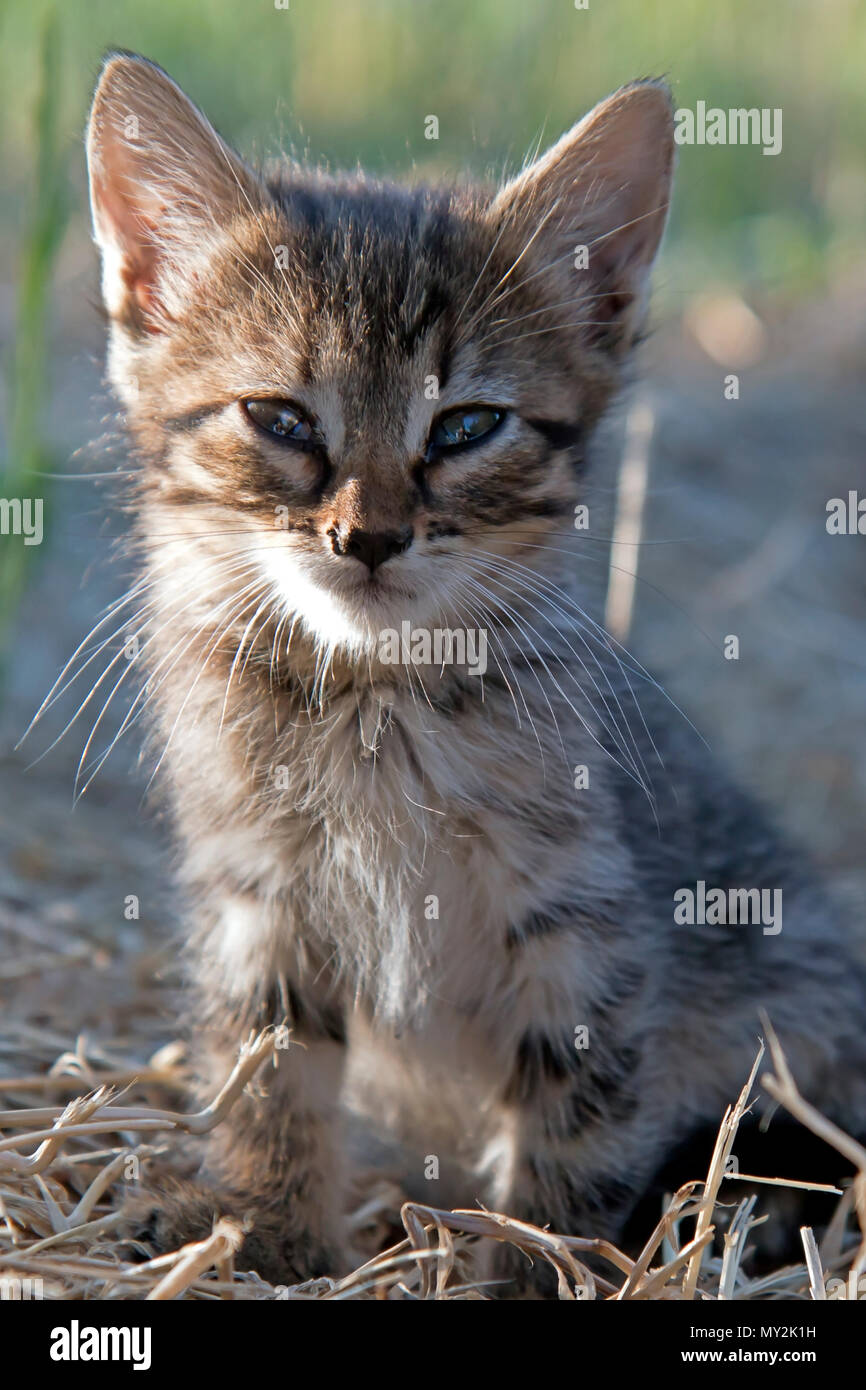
[372, 548]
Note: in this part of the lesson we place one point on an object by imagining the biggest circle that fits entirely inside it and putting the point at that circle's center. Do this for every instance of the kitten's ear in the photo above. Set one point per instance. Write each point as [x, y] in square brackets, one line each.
[605, 186]
[162, 183]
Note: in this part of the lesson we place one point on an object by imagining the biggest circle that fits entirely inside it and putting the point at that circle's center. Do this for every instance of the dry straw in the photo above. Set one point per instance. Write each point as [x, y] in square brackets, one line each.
[62, 1180]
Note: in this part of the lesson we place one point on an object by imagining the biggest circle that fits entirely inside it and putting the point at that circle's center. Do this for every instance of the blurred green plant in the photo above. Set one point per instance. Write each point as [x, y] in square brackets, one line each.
[28, 454]
[352, 82]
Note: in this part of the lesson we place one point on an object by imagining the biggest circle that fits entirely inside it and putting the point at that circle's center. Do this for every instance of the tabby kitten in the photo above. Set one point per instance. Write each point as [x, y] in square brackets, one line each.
[361, 410]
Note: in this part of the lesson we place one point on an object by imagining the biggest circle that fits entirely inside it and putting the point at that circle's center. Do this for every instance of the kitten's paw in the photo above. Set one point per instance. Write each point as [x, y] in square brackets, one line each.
[175, 1211]
[509, 1274]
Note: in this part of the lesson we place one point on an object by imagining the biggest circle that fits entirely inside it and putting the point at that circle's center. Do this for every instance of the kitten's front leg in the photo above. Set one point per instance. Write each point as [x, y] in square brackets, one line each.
[561, 1187]
[582, 1141]
[274, 1163]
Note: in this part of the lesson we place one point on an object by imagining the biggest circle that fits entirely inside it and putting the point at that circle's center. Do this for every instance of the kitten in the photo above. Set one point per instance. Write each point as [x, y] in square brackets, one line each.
[361, 413]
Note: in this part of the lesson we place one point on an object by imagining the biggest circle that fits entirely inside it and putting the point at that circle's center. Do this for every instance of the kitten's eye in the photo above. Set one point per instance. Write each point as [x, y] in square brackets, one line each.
[464, 427]
[286, 422]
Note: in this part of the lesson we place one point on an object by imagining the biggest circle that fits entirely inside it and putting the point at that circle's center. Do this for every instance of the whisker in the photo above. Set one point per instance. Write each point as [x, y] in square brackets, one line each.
[112, 611]
[129, 720]
[601, 695]
[499, 603]
[171, 617]
[605, 638]
[632, 775]
[491, 624]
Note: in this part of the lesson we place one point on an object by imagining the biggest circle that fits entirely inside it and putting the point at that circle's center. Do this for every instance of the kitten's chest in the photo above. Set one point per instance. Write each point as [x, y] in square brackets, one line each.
[426, 835]
[411, 806]
[394, 845]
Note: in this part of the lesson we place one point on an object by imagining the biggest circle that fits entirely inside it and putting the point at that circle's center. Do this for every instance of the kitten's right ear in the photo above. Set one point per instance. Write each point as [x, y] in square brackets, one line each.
[162, 184]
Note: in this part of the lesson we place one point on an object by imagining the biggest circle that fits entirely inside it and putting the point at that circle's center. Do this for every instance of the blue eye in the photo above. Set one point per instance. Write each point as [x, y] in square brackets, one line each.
[462, 427]
[284, 421]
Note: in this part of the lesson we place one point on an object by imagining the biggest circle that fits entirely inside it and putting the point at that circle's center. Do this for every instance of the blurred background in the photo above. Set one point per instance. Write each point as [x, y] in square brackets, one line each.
[763, 274]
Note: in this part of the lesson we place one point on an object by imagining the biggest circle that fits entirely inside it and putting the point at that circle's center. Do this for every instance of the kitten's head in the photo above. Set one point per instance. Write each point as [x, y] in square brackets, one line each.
[364, 395]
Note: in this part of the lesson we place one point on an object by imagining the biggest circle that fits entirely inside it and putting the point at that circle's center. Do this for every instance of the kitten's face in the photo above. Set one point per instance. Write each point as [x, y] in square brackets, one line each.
[364, 394]
[343, 409]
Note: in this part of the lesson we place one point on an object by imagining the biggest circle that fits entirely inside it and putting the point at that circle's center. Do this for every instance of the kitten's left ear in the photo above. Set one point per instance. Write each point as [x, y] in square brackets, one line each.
[605, 186]
[162, 184]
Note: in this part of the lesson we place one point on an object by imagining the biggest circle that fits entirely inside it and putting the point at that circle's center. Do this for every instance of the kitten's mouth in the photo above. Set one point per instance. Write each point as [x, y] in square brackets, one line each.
[347, 604]
[373, 588]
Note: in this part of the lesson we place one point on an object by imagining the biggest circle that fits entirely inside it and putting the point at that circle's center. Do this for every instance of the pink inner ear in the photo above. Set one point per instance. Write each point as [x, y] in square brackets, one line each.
[122, 225]
[140, 277]
[155, 193]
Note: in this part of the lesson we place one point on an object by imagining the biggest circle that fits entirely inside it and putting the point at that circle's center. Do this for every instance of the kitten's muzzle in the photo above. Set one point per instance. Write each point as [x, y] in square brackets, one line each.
[372, 548]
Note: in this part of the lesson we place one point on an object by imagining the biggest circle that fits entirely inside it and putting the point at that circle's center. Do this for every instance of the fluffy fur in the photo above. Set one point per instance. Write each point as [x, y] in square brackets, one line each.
[395, 859]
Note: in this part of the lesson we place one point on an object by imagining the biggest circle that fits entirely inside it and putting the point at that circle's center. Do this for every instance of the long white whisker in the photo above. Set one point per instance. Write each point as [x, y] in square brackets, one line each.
[500, 603]
[577, 628]
[595, 629]
[128, 720]
[171, 618]
[110, 613]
